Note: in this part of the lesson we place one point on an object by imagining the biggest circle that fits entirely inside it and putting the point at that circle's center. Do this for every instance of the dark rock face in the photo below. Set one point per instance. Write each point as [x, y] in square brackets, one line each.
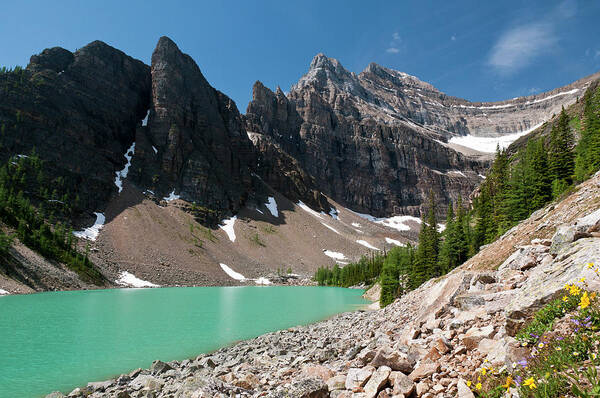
[201, 149]
[273, 125]
[79, 111]
[365, 164]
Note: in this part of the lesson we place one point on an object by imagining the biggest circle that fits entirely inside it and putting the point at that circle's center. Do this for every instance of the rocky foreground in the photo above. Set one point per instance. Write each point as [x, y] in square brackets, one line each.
[427, 343]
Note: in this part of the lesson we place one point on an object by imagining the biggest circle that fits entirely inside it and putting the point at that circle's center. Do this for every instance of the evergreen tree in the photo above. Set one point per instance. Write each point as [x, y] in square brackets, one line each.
[561, 159]
[448, 249]
[587, 160]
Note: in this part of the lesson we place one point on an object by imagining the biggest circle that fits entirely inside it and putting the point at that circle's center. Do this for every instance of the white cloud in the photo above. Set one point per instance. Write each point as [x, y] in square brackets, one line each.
[453, 38]
[395, 45]
[520, 46]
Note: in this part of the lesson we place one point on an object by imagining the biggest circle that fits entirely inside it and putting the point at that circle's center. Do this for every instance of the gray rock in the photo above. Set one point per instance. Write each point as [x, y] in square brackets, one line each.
[463, 390]
[159, 367]
[386, 356]
[308, 388]
[378, 380]
[358, 377]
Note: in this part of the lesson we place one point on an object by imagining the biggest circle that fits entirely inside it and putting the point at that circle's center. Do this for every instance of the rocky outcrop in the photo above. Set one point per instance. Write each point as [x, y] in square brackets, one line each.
[195, 144]
[79, 112]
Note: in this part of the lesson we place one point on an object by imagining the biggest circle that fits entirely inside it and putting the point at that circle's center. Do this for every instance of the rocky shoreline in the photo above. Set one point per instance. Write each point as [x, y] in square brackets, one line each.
[428, 343]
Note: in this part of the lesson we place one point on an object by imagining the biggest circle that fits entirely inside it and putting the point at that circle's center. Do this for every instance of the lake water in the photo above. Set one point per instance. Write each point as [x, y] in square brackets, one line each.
[62, 340]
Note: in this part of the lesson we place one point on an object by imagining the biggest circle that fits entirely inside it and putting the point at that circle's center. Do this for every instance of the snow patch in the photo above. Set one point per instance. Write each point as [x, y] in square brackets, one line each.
[489, 144]
[334, 255]
[272, 206]
[308, 209]
[441, 227]
[331, 228]
[128, 279]
[145, 120]
[482, 176]
[262, 281]
[121, 175]
[394, 242]
[154, 149]
[235, 275]
[366, 244]
[341, 262]
[171, 196]
[91, 233]
[3, 292]
[227, 226]
[357, 225]
[395, 222]
[458, 172]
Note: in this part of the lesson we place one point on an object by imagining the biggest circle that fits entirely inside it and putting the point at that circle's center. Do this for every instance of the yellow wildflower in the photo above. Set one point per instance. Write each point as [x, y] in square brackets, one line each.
[590, 265]
[582, 280]
[574, 290]
[530, 383]
[558, 348]
[478, 386]
[541, 345]
[585, 301]
[567, 286]
[469, 383]
[509, 382]
[593, 295]
[565, 298]
[483, 371]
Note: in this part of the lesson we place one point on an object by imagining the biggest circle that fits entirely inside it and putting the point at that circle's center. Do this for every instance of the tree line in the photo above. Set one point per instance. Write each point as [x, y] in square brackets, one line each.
[31, 202]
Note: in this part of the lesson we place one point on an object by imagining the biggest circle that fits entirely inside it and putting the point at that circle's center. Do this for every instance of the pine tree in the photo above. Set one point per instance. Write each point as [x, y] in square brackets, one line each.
[540, 176]
[561, 158]
[448, 250]
[587, 160]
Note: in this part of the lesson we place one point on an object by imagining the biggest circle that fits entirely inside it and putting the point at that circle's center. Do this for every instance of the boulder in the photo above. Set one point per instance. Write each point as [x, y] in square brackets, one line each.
[463, 390]
[424, 370]
[159, 367]
[395, 360]
[319, 371]
[401, 384]
[308, 388]
[147, 382]
[378, 380]
[336, 382]
[474, 335]
[358, 377]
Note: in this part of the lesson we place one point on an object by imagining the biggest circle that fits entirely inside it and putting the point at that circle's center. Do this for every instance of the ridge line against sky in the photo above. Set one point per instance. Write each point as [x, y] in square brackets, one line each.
[480, 51]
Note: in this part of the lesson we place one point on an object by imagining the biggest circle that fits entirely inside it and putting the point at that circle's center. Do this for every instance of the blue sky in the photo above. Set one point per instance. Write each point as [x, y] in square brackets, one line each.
[478, 50]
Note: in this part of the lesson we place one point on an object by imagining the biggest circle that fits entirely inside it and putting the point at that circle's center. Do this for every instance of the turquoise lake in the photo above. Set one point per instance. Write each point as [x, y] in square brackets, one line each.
[61, 340]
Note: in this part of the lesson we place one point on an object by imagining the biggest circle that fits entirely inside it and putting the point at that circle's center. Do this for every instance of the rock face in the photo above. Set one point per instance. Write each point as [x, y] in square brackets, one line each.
[358, 159]
[378, 141]
[79, 111]
[195, 143]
